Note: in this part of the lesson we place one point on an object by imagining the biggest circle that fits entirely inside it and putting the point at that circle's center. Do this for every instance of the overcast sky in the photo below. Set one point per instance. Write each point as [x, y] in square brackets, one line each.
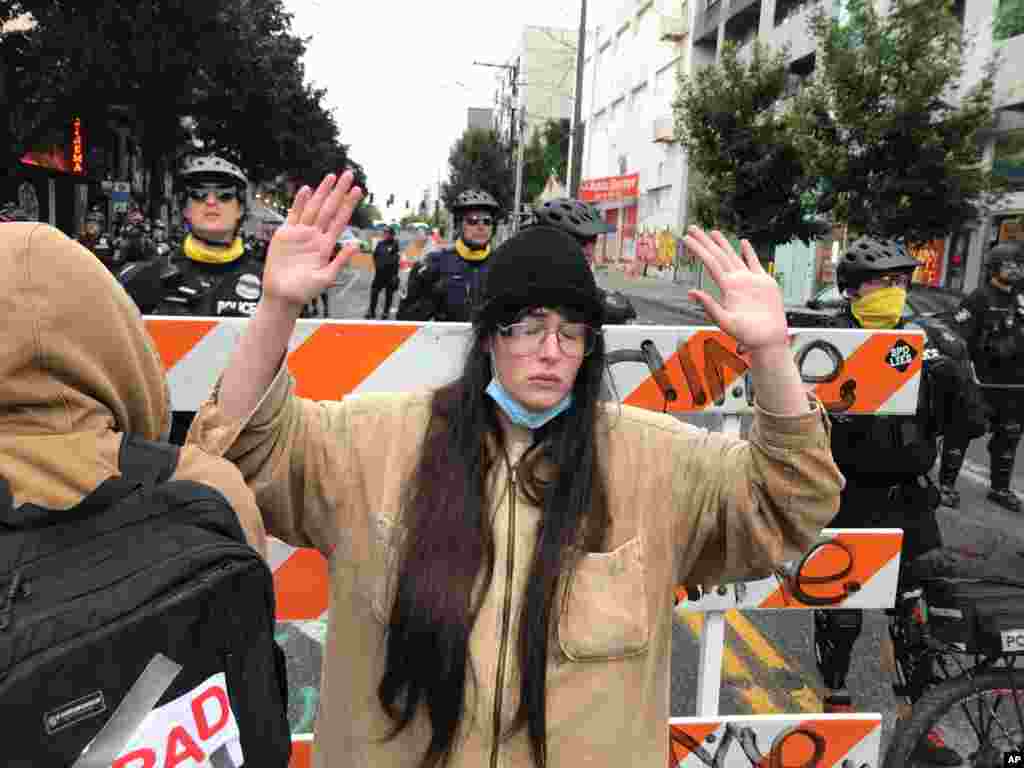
[400, 75]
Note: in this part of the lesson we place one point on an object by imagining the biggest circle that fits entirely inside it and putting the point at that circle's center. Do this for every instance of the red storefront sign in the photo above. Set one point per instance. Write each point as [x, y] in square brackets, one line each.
[610, 188]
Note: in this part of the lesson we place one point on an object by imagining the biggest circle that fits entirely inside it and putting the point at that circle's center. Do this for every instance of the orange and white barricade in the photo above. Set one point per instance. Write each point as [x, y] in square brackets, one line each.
[684, 370]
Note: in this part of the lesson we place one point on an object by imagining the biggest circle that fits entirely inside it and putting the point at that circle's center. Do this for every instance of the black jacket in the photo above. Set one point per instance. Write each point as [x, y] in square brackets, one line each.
[213, 290]
[386, 256]
[880, 451]
[991, 321]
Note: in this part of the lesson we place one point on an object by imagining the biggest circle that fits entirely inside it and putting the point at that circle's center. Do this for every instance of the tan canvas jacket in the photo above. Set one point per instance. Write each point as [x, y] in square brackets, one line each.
[77, 371]
[687, 505]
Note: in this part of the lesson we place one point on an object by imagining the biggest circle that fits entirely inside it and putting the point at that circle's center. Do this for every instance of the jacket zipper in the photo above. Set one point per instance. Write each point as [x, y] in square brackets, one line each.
[506, 614]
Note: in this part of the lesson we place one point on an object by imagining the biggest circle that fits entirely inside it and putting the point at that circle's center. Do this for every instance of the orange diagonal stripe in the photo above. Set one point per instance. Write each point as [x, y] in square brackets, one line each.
[678, 750]
[840, 737]
[871, 551]
[877, 381]
[300, 586]
[176, 338]
[302, 754]
[337, 358]
[649, 396]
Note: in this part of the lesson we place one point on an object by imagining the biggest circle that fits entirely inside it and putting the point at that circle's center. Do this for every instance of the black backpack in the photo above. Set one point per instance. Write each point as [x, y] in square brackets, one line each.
[137, 628]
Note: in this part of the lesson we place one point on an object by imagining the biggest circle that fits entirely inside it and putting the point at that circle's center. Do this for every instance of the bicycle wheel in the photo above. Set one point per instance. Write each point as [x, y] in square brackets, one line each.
[980, 717]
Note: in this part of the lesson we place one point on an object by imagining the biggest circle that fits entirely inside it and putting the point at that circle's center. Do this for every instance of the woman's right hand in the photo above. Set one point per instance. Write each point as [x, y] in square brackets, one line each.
[300, 261]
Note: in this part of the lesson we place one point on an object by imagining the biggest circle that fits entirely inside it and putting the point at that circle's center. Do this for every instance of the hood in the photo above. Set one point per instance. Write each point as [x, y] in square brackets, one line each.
[75, 357]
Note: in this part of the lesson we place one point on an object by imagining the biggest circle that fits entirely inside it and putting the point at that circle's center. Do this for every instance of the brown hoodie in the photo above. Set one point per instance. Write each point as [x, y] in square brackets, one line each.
[77, 371]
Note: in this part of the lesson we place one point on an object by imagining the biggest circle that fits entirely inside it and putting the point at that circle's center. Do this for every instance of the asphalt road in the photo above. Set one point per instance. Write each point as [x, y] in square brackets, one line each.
[769, 665]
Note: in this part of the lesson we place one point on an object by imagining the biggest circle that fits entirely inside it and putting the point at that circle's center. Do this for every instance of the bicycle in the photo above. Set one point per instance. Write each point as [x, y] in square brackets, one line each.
[960, 669]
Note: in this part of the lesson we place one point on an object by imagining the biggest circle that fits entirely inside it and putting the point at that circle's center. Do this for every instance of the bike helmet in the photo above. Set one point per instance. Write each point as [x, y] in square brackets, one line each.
[869, 256]
[573, 216]
[210, 168]
[95, 214]
[475, 198]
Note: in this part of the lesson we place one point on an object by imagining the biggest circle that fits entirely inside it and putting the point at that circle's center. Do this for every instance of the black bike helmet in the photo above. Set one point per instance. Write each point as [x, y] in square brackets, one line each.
[475, 198]
[868, 256]
[573, 216]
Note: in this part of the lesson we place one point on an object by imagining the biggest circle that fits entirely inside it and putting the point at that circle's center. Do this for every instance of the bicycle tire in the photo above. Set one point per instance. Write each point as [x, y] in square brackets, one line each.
[939, 700]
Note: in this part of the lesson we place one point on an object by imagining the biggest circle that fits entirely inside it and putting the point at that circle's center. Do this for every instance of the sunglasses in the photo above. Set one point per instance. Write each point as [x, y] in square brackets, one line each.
[222, 194]
[474, 220]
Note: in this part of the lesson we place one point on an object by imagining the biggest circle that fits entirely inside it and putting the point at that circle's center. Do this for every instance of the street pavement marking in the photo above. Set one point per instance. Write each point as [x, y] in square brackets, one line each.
[805, 696]
[734, 671]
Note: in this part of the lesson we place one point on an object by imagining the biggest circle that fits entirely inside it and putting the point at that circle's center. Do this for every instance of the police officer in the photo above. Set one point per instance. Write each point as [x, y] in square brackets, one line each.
[991, 321]
[885, 460]
[96, 239]
[386, 263]
[447, 285]
[585, 224]
[216, 275]
[212, 274]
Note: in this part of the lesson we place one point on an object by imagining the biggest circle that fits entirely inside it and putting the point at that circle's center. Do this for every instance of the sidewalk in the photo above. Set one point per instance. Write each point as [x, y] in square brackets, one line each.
[660, 291]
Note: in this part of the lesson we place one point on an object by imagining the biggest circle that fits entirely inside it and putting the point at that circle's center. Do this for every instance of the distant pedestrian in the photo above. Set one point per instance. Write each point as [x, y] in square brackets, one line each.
[386, 260]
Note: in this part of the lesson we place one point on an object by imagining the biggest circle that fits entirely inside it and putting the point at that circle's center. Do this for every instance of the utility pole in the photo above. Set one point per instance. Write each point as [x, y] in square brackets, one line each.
[519, 172]
[514, 135]
[576, 154]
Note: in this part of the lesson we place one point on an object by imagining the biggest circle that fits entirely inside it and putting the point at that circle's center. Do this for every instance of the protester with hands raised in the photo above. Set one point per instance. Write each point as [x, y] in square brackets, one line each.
[503, 550]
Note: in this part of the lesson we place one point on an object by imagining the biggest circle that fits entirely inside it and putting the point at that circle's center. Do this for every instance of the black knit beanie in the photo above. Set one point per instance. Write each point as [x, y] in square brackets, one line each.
[539, 267]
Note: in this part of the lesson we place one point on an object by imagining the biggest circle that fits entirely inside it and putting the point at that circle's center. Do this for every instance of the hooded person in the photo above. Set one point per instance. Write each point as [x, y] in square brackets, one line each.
[79, 372]
[502, 550]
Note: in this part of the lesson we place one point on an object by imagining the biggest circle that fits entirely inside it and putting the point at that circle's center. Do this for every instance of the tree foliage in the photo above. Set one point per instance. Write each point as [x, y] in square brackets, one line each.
[546, 154]
[753, 173]
[478, 160]
[886, 126]
[233, 66]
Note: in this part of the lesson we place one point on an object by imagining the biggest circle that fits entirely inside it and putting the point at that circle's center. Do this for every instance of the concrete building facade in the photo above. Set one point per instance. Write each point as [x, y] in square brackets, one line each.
[631, 69]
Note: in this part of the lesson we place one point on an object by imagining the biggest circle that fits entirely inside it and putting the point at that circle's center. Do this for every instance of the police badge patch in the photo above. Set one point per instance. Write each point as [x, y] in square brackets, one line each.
[249, 287]
[962, 315]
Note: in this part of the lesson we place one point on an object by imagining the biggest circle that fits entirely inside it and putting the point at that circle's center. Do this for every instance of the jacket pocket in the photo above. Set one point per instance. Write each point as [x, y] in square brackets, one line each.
[605, 615]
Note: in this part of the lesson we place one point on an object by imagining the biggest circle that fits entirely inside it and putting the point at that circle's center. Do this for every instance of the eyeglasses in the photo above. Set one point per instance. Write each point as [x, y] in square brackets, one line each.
[474, 220]
[526, 338]
[222, 194]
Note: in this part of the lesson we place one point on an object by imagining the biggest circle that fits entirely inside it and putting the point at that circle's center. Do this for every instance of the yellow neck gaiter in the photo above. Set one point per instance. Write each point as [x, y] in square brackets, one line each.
[880, 309]
[470, 255]
[207, 254]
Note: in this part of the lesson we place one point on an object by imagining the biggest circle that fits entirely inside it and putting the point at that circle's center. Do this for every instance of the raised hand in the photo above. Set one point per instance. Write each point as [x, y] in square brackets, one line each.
[751, 309]
[301, 261]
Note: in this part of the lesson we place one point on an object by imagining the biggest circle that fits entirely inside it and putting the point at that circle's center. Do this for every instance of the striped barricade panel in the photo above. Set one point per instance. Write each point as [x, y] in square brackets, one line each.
[853, 371]
[846, 568]
[742, 741]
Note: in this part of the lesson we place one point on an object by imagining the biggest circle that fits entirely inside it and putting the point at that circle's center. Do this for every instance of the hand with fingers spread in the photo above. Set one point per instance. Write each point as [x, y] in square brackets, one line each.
[751, 309]
[301, 263]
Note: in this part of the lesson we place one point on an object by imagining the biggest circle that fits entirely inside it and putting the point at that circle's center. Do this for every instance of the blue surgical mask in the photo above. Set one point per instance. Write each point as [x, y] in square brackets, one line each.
[520, 415]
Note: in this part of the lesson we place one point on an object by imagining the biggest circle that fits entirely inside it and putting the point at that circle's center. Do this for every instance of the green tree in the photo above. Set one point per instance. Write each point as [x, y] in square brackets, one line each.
[546, 154]
[1009, 21]
[478, 160]
[898, 150]
[753, 174]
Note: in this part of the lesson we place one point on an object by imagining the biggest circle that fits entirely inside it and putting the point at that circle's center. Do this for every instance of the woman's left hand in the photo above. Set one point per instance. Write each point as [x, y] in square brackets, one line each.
[750, 309]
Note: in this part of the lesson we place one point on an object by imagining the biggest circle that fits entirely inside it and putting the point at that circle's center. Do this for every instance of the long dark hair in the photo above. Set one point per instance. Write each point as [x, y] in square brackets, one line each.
[450, 539]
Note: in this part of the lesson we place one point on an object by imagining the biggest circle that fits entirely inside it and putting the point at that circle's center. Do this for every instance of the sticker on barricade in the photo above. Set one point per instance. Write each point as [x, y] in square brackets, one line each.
[846, 568]
[676, 369]
[762, 741]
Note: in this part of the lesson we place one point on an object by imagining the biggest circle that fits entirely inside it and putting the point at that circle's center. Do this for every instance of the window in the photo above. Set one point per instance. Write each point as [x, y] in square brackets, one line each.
[623, 164]
[1008, 160]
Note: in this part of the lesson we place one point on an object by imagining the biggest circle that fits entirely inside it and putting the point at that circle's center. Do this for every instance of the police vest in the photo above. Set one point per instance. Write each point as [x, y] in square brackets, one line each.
[213, 290]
